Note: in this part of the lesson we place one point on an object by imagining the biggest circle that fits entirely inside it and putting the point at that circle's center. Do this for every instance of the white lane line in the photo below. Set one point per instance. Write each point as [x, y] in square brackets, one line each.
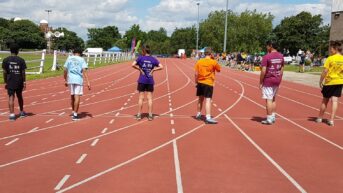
[122, 108]
[33, 103]
[43, 99]
[111, 122]
[104, 130]
[4, 113]
[81, 103]
[48, 121]
[33, 130]
[95, 142]
[177, 168]
[53, 95]
[117, 114]
[270, 159]
[220, 110]
[80, 160]
[93, 96]
[11, 142]
[170, 109]
[173, 131]
[61, 114]
[215, 105]
[125, 104]
[171, 115]
[169, 100]
[62, 182]
[172, 122]
[128, 100]
[87, 99]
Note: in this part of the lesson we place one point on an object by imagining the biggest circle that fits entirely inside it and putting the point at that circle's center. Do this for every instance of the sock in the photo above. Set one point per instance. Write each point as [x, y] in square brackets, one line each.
[208, 116]
[12, 115]
[75, 114]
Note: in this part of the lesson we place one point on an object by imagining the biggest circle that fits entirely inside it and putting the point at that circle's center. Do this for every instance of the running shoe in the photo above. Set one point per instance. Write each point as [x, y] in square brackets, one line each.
[198, 117]
[150, 117]
[22, 114]
[138, 117]
[267, 122]
[211, 121]
[318, 120]
[331, 123]
[75, 118]
[12, 117]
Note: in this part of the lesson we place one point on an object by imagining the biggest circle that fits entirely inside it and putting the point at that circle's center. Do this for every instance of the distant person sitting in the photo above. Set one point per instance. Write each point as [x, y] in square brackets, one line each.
[15, 80]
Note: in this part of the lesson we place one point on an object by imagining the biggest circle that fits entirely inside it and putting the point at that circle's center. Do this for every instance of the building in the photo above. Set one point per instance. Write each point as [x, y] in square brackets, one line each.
[44, 26]
[336, 33]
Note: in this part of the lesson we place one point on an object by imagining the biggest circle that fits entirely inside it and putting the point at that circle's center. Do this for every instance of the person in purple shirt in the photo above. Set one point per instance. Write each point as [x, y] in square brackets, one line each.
[147, 65]
[270, 79]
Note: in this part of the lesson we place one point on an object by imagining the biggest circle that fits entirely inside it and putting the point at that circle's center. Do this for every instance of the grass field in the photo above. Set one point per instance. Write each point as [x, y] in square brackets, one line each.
[47, 65]
[312, 70]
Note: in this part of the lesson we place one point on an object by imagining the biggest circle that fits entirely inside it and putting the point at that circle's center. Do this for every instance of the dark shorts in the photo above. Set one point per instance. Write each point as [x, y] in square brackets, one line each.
[11, 92]
[332, 91]
[204, 90]
[145, 87]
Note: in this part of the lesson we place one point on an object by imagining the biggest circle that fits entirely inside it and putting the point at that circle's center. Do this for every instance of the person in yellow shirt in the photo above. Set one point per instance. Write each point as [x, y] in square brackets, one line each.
[204, 78]
[331, 82]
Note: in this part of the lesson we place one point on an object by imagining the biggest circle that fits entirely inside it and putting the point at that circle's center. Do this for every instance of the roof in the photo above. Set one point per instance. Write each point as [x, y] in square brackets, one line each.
[43, 21]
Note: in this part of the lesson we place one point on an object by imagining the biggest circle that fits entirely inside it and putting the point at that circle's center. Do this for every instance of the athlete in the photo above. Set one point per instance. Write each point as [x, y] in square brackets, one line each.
[331, 82]
[204, 78]
[146, 65]
[75, 68]
[15, 80]
[270, 79]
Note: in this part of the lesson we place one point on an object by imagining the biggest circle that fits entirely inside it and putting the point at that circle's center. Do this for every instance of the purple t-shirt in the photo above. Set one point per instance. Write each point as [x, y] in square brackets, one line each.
[274, 62]
[147, 63]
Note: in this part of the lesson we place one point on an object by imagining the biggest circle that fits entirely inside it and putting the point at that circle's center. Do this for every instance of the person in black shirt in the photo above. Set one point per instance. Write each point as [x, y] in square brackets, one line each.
[14, 78]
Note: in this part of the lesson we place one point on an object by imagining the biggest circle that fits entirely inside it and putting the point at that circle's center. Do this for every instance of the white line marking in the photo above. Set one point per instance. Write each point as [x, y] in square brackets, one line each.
[215, 105]
[43, 99]
[53, 95]
[295, 183]
[62, 182]
[61, 114]
[95, 142]
[11, 142]
[122, 108]
[33, 130]
[48, 121]
[104, 130]
[80, 160]
[172, 122]
[93, 96]
[173, 131]
[171, 115]
[177, 168]
[171, 109]
[125, 104]
[87, 99]
[33, 103]
[117, 114]
[129, 100]
[111, 122]
[81, 103]
[220, 110]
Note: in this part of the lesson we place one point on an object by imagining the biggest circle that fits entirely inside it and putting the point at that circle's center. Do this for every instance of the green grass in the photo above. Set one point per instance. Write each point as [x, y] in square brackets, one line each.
[295, 68]
[47, 66]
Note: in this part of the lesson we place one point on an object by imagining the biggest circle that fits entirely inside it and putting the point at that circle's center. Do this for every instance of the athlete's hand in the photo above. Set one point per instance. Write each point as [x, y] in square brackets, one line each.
[151, 73]
[321, 85]
[24, 88]
[6, 86]
[141, 71]
[89, 86]
[261, 86]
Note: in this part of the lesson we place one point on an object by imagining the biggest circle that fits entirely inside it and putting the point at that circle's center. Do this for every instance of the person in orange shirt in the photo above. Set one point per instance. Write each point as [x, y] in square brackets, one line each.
[204, 78]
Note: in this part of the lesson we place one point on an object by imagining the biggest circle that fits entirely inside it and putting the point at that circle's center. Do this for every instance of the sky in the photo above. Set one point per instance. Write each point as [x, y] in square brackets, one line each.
[78, 15]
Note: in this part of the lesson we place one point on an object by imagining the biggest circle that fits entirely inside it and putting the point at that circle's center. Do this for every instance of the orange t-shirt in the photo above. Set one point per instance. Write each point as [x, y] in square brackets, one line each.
[206, 68]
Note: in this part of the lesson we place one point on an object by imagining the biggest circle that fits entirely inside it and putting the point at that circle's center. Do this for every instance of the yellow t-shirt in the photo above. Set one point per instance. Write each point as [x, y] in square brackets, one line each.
[334, 65]
[206, 68]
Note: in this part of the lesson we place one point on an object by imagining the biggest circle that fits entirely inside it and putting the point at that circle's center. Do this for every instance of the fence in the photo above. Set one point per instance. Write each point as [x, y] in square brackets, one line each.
[37, 61]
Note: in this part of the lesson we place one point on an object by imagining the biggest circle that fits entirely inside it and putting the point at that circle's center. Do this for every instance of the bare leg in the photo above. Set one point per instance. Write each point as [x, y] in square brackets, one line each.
[200, 103]
[269, 107]
[72, 102]
[20, 101]
[273, 106]
[140, 102]
[11, 104]
[334, 107]
[149, 97]
[323, 107]
[76, 103]
[208, 106]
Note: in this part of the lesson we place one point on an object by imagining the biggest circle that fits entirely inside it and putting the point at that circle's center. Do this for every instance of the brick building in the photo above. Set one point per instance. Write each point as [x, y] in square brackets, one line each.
[336, 33]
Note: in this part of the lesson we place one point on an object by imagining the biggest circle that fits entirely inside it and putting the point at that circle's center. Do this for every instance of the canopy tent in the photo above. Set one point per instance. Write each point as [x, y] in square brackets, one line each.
[114, 49]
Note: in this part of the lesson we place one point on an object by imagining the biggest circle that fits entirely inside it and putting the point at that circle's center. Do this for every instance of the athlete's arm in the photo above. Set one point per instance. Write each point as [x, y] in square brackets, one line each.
[65, 77]
[23, 73]
[135, 66]
[85, 74]
[263, 74]
[322, 77]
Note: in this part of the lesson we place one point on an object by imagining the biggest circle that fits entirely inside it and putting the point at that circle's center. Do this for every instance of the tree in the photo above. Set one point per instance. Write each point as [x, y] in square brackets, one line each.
[134, 32]
[303, 31]
[157, 41]
[103, 37]
[68, 42]
[183, 38]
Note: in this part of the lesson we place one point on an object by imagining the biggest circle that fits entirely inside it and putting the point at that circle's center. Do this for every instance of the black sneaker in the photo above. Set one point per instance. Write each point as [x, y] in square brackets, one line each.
[75, 118]
[11, 117]
[138, 117]
[22, 114]
[198, 117]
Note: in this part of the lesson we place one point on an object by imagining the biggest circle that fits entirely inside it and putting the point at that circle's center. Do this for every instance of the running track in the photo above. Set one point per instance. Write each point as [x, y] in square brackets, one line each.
[109, 151]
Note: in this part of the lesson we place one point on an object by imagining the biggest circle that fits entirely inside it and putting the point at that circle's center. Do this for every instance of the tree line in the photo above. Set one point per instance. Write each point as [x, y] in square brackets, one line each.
[247, 31]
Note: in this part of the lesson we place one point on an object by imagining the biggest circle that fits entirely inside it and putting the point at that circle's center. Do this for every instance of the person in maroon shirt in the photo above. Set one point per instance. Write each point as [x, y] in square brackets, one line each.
[270, 79]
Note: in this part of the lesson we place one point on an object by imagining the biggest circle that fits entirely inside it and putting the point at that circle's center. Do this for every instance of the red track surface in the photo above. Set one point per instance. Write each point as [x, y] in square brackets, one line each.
[109, 151]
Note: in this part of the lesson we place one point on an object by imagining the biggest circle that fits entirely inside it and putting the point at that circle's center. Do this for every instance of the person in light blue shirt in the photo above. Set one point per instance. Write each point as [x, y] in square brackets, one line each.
[75, 68]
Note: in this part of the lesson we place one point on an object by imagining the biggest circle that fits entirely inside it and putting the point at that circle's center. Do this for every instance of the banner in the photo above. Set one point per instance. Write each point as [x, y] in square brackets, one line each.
[133, 45]
[137, 47]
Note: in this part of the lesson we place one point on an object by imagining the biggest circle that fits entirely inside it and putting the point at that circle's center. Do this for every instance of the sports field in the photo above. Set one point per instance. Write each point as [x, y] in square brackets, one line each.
[109, 151]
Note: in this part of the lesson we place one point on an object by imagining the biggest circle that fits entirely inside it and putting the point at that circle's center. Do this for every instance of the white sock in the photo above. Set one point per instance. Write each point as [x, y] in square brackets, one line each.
[12, 115]
[208, 116]
[75, 114]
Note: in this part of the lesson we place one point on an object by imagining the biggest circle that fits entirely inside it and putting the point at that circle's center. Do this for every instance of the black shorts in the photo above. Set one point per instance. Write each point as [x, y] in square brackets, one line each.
[145, 87]
[332, 91]
[17, 91]
[204, 90]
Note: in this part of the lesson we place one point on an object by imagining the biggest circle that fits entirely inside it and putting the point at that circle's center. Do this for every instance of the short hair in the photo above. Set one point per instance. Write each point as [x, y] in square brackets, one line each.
[14, 48]
[147, 49]
[336, 45]
[208, 51]
[272, 44]
[78, 51]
